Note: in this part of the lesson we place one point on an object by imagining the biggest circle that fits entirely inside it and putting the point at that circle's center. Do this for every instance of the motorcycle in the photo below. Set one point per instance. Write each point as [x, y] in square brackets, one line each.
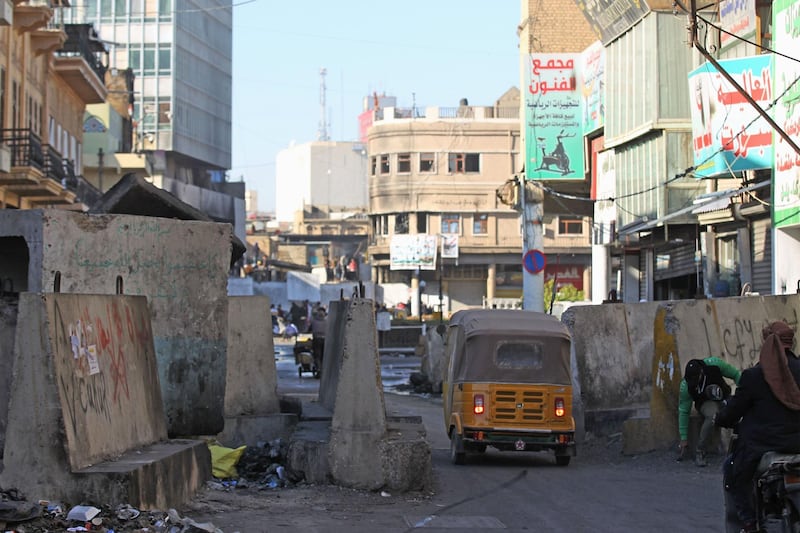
[776, 493]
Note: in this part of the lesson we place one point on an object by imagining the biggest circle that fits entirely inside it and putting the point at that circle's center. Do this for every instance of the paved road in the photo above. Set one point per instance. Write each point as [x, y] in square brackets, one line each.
[601, 490]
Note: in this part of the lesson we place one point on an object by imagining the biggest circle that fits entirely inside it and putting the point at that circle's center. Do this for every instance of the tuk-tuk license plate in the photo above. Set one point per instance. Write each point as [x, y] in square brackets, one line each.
[519, 445]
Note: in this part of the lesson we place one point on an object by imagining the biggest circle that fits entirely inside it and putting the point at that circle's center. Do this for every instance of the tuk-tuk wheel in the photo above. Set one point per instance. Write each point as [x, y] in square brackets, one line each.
[300, 372]
[457, 454]
[316, 373]
[562, 460]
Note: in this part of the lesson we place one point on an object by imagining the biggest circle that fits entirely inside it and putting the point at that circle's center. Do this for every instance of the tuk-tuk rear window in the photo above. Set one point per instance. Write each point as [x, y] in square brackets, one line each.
[519, 355]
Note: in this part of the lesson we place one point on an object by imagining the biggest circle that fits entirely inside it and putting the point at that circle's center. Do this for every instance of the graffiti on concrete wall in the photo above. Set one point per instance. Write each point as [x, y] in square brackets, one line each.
[95, 346]
[741, 339]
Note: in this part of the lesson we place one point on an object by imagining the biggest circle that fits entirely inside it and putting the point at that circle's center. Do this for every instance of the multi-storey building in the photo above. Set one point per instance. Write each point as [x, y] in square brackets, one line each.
[434, 175]
[180, 54]
[49, 72]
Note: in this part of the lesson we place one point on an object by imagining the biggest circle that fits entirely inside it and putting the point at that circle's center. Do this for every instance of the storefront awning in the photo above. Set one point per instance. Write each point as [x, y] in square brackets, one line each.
[703, 204]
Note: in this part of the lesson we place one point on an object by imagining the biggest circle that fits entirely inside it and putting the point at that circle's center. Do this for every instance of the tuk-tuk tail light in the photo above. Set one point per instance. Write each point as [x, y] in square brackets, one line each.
[560, 408]
[477, 404]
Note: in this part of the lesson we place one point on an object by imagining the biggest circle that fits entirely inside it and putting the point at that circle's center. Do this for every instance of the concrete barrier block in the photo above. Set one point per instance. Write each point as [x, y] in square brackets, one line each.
[406, 457]
[308, 451]
[158, 477]
[250, 430]
[251, 383]
[85, 412]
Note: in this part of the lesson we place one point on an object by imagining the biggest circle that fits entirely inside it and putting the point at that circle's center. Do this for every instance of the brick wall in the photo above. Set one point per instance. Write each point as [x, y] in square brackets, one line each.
[554, 26]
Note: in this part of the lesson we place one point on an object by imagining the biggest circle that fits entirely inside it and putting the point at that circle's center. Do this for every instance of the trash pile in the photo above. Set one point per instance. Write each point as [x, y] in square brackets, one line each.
[257, 467]
[260, 466]
[20, 516]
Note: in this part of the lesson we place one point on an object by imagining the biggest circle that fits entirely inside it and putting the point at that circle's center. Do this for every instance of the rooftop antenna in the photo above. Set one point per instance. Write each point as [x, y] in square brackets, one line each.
[322, 134]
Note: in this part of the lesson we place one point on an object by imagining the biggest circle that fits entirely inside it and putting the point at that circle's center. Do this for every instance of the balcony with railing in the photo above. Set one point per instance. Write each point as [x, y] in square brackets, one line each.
[82, 62]
[37, 173]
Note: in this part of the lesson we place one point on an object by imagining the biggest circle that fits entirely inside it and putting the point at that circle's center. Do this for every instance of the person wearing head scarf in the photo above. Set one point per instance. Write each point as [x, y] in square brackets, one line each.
[765, 411]
[703, 385]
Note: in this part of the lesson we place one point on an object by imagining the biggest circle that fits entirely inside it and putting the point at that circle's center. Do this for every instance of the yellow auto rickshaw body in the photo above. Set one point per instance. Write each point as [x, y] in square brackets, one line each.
[508, 383]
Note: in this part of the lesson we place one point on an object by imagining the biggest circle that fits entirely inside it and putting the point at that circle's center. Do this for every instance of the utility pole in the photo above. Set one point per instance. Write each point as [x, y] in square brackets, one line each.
[532, 201]
[100, 169]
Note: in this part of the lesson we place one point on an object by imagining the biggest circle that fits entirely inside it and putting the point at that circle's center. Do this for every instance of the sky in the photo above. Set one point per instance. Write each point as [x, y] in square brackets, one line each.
[423, 52]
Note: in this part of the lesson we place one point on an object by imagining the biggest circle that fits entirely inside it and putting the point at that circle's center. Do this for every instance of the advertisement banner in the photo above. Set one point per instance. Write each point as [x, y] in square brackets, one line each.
[786, 174]
[738, 19]
[612, 18]
[592, 70]
[728, 135]
[449, 246]
[411, 252]
[553, 122]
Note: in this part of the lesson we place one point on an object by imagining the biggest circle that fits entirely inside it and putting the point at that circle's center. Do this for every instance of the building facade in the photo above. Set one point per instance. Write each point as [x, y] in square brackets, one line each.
[435, 179]
[49, 72]
[180, 54]
[328, 175]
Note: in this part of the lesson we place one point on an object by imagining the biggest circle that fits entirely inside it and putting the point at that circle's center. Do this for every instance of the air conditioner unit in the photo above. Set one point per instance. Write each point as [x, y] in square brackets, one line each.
[6, 13]
[5, 158]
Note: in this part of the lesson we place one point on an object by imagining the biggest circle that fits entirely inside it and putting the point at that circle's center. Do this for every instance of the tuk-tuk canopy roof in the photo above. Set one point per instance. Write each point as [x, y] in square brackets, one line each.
[535, 347]
[508, 321]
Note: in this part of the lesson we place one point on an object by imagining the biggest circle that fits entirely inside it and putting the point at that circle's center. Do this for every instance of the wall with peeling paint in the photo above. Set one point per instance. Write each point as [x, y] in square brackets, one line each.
[182, 269]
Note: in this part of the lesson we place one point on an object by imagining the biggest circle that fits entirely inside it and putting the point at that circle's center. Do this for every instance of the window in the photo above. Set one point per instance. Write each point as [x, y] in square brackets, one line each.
[519, 355]
[149, 60]
[385, 168]
[570, 225]
[403, 163]
[462, 163]
[164, 59]
[450, 223]
[480, 224]
[373, 165]
[401, 223]
[427, 162]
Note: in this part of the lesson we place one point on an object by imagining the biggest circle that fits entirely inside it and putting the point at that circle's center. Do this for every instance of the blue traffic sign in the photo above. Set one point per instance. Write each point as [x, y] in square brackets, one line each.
[534, 261]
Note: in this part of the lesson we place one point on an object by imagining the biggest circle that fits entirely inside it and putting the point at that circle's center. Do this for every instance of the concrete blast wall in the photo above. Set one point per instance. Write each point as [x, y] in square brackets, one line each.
[252, 382]
[632, 355]
[182, 269]
[85, 389]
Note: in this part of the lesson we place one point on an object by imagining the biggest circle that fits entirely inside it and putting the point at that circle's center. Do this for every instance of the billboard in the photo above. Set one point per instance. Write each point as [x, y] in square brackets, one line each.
[553, 121]
[592, 80]
[786, 174]
[412, 252]
[738, 19]
[728, 135]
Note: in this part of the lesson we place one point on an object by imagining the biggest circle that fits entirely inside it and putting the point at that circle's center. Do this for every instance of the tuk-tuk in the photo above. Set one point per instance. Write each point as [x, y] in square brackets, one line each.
[508, 383]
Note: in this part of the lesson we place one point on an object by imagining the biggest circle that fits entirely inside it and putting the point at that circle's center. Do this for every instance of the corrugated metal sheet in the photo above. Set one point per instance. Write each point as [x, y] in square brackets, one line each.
[646, 76]
[639, 167]
[761, 239]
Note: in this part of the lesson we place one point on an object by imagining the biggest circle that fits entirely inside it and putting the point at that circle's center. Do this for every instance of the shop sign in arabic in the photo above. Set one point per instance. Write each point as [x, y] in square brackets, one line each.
[786, 172]
[738, 19]
[728, 135]
[553, 117]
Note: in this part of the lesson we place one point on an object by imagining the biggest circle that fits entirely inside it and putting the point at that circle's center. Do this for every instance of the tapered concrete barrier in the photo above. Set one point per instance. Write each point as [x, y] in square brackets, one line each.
[357, 445]
[85, 419]
[252, 406]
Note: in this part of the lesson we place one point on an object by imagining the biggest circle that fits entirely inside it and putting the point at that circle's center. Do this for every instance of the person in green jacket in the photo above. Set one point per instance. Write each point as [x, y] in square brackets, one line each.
[704, 385]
